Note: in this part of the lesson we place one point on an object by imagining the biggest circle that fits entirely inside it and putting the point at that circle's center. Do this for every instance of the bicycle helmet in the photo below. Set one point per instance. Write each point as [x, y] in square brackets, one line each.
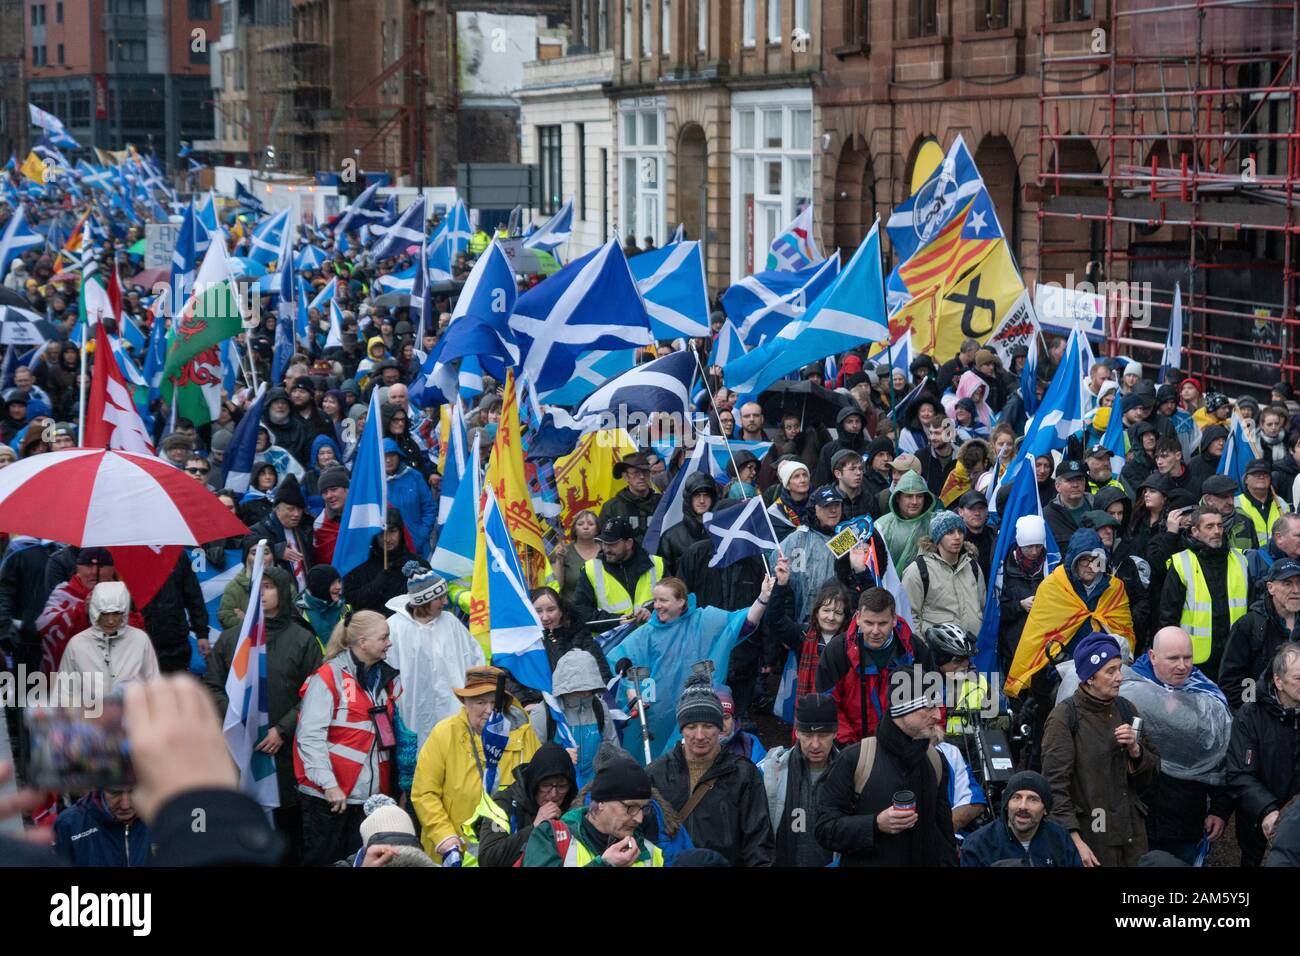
[949, 641]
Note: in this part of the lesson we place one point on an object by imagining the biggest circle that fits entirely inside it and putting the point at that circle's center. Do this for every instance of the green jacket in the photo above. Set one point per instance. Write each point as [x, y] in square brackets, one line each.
[1239, 532]
[233, 598]
[901, 534]
[541, 850]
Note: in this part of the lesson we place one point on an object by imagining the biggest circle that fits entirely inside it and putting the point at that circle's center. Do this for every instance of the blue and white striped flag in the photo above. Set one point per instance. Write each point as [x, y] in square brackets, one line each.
[1237, 453]
[555, 232]
[267, 237]
[663, 385]
[515, 631]
[17, 237]
[676, 294]
[762, 305]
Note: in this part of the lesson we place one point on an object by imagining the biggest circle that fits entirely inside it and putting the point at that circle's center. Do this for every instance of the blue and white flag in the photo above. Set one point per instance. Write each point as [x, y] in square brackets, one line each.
[592, 370]
[453, 466]
[237, 464]
[421, 301]
[247, 200]
[231, 366]
[515, 631]
[311, 257]
[796, 246]
[762, 305]
[739, 531]
[1060, 414]
[207, 218]
[18, 236]
[450, 238]
[849, 313]
[267, 237]
[727, 347]
[403, 281]
[899, 353]
[786, 691]
[1029, 376]
[592, 303]
[480, 324]
[1114, 439]
[671, 510]
[397, 238]
[1172, 358]
[453, 559]
[555, 232]
[722, 448]
[1237, 453]
[324, 297]
[1021, 501]
[562, 728]
[947, 190]
[96, 177]
[284, 346]
[334, 338]
[185, 261]
[663, 385]
[679, 234]
[366, 508]
[362, 211]
[676, 294]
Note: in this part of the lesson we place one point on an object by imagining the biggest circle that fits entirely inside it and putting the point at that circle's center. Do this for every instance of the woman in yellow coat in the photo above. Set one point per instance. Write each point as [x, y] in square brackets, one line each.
[448, 780]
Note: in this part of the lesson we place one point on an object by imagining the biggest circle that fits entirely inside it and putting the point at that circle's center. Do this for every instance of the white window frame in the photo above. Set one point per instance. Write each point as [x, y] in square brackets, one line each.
[757, 154]
[773, 21]
[634, 112]
[748, 29]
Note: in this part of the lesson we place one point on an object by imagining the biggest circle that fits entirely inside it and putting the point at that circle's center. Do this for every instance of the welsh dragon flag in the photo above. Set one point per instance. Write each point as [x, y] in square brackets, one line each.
[211, 315]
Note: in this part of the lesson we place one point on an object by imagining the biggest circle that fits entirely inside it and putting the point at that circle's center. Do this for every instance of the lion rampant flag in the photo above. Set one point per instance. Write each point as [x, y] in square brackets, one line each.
[193, 367]
[585, 478]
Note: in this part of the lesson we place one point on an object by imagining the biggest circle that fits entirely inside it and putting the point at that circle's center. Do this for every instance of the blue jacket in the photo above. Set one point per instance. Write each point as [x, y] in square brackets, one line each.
[87, 834]
[409, 493]
[1051, 846]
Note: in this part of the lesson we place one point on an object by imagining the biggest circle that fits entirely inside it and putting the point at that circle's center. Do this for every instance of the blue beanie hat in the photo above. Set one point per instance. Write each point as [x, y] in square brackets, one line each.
[945, 522]
[1092, 653]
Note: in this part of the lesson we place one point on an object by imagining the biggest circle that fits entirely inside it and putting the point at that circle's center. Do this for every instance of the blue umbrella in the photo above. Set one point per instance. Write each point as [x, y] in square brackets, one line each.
[246, 267]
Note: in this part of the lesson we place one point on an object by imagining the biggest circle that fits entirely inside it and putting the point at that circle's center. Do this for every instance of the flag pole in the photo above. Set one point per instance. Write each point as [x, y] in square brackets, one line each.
[81, 401]
[713, 398]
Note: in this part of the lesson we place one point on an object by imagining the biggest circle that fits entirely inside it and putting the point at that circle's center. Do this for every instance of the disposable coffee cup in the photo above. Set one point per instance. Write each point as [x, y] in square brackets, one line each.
[904, 800]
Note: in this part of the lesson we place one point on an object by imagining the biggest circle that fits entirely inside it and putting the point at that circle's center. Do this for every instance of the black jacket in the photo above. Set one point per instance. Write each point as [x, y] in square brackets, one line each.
[1263, 766]
[1016, 586]
[292, 655]
[934, 471]
[293, 436]
[369, 586]
[875, 484]
[1252, 642]
[638, 511]
[1214, 565]
[177, 609]
[1284, 476]
[276, 536]
[984, 543]
[846, 823]
[560, 640]
[674, 544]
[1060, 522]
[60, 568]
[627, 573]
[732, 819]
[1176, 809]
[518, 802]
[22, 578]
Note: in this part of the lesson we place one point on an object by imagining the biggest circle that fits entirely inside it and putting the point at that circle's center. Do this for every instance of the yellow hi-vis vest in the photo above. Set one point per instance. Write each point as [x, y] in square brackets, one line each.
[610, 594]
[1263, 523]
[576, 854]
[1198, 604]
[487, 809]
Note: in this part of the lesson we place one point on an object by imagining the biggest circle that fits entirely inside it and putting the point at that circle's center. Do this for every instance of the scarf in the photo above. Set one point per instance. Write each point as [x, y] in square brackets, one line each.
[796, 513]
[1196, 683]
[955, 485]
[1030, 567]
[1058, 615]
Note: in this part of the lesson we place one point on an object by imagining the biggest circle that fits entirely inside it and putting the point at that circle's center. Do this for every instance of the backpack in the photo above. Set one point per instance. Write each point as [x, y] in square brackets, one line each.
[596, 705]
[867, 762]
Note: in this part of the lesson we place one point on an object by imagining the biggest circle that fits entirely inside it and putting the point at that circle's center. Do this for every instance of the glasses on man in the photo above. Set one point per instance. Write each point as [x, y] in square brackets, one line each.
[197, 471]
[634, 809]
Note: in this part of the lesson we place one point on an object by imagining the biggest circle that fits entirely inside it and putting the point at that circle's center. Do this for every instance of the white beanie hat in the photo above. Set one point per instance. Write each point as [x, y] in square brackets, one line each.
[1030, 530]
[787, 470]
[383, 815]
[1133, 368]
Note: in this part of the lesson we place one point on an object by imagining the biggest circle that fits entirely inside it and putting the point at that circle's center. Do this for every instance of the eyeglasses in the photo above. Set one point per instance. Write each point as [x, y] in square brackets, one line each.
[197, 471]
[634, 809]
[553, 787]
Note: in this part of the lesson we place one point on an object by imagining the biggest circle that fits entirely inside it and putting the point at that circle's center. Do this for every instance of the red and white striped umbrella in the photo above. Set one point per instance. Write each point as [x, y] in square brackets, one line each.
[94, 498]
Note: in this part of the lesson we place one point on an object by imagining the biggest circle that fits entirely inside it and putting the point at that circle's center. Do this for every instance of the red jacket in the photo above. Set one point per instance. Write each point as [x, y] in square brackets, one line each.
[66, 615]
[849, 686]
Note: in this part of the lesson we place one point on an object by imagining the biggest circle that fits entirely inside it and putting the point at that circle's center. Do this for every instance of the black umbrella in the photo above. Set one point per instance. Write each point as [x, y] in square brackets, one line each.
[9, 297]
[810, 401]
[23, 327]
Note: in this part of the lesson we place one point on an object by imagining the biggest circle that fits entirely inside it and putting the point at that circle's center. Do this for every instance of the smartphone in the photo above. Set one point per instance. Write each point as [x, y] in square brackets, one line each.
[73, 752]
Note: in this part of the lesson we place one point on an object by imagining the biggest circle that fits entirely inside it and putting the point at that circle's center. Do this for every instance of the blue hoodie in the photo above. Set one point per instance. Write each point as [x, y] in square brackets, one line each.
[87, 834]
[409, 493]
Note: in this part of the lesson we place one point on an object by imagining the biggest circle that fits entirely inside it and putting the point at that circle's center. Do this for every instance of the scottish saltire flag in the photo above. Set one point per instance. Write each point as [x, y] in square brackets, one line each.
[334, 338]
[679, 234]
[796, 247]
[156, 355]
[1114, 439]
[762, 305]
[324, 296]
[670, 513]
[207, 219]
[900, 353]
[407, 231]
[1029, 376]
[676, 294]
[403, 281]
[663, 385]
[364, 513]
[267, 236]
[562, 727]
[727, 347]
[17, 237]
[783, 707]
[302, 320]
[1022, 500]
[422, 301]
[592, 303]
[480, 324]
[237, 463]
[453, 559]
[722, 448]
[286, 285]
[185, 260]
[311, 257]
[231, 366]
[247, 720]
[284, 346]
[515, 630]
[247, 200]
[363, 210]
[555, 232]
[1060, 414]
[1238, 452]
[592, 370]
[456, 445]
[849, 313]
[450, 238]
[921, 217]
[96, 177]
[1172, 358]
[739, 532]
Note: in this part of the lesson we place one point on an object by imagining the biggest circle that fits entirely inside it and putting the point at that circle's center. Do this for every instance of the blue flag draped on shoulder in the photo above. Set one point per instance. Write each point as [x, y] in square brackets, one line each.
[592, 303]
[247, 720]
[849, 313]
[676, 295]
[366, 508]
[739, 532]
[237, 464]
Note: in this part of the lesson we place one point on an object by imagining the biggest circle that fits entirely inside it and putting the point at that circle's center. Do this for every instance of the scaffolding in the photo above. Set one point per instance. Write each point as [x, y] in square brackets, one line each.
[1168, 153]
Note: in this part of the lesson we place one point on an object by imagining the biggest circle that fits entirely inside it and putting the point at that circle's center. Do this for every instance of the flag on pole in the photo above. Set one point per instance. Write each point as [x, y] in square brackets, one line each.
[366, 509]
[796, 247]
[452, 466]
[739, 532]
[1029, 376]
[267, 236]
[1113, 438]
[555, 232]
[407, 231]
[18, 235]
[111, 417]
[762, 305]
[1060, 414]
[676, 294]
[1238, 452]
[1172, 358]
[515, 632]
[671, 509]
[453, 559]
[727, 347]
[247, 718]
[237, 464]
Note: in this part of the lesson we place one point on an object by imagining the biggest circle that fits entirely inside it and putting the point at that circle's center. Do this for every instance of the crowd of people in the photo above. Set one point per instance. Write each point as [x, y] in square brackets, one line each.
[1147, 645]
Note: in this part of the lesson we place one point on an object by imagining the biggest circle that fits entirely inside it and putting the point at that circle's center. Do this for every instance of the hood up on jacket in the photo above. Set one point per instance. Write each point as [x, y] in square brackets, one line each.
[108, 597]
[576, 671]
[550, 760]
[1108, 496]
[1084, 541]
[911, 484]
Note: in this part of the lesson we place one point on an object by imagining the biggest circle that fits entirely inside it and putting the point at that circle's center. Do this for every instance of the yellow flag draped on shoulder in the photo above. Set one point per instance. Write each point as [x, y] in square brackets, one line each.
[585, 478]
[1057, 615]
